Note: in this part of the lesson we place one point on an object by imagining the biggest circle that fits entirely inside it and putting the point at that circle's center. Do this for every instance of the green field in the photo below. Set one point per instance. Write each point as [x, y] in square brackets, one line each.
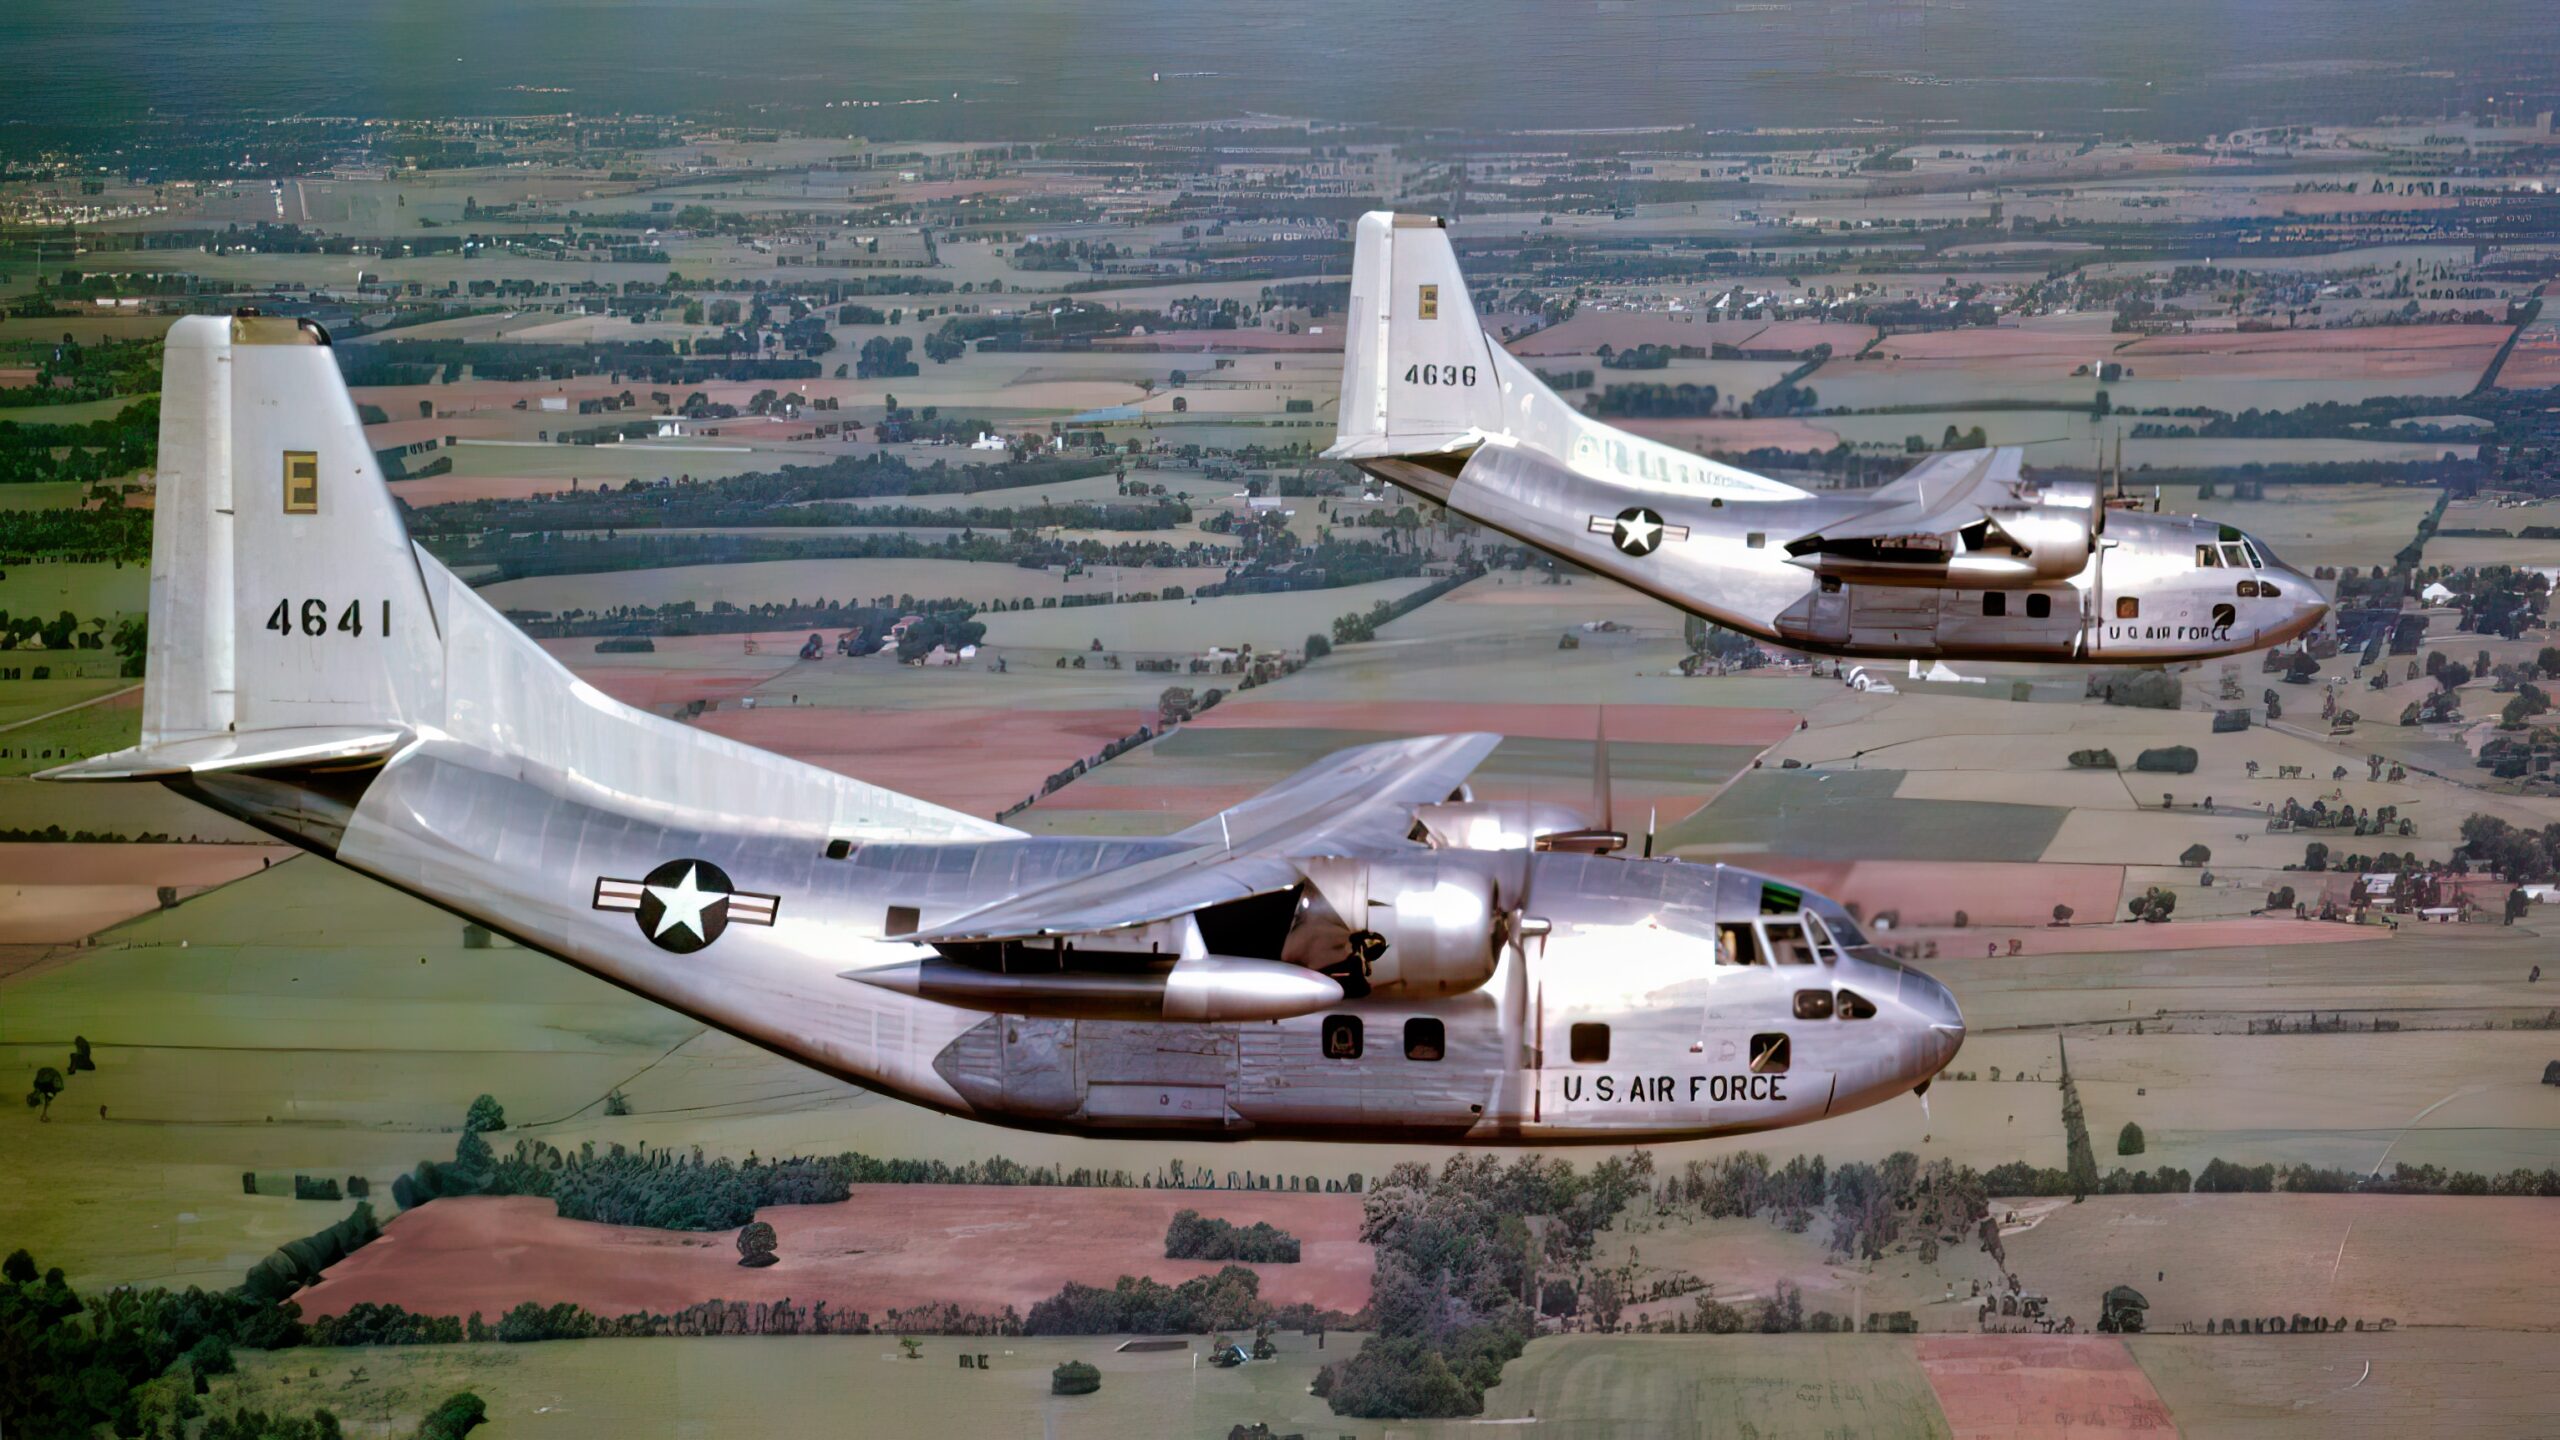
[1798, 1385]
[1832, 813]
[42, 495]
[88, 589]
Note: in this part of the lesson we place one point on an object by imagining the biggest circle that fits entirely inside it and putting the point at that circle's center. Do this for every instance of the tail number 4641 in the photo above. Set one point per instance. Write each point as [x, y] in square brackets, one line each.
[313, 617]
[1459, 375]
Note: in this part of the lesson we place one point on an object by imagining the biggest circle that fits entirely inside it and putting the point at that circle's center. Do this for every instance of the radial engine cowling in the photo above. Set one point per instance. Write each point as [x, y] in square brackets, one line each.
[2017, 549]
[1420, 927]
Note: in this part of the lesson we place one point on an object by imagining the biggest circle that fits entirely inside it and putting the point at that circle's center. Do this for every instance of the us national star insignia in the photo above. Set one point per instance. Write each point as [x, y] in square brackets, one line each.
[1637, 531]
[684, 905]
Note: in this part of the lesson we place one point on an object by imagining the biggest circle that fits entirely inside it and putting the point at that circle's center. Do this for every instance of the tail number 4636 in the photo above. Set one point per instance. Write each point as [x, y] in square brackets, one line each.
[313, 617]
[1460, 375]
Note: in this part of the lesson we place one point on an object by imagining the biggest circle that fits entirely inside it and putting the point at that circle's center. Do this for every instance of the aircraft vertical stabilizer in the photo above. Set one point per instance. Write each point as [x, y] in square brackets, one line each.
[1418, 374]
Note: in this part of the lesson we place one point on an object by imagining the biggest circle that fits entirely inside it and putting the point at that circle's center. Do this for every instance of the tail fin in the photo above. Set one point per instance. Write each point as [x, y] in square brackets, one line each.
[294, 624]
[1419, 375]
[290, 620]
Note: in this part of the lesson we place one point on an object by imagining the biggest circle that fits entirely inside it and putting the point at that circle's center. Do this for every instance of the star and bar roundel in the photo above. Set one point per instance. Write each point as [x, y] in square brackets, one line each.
[684, 905]
[1637, 531]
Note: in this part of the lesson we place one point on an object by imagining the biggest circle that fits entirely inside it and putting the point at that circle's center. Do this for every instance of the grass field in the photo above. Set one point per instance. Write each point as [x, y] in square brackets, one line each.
[769, 581]
[88, 589]
[42, 495]
[1853, 814]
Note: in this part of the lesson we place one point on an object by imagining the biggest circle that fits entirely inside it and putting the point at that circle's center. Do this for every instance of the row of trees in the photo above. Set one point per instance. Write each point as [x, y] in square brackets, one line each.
[1193, 1236]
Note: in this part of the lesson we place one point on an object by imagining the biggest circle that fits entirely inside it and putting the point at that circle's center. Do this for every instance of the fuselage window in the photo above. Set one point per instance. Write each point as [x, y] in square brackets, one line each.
[1756, 539]
[1425, 1039]
[1995, 603]
[1854, 1006]
[1788, 944]
[902, 921]
[2208, 558]
[2039, 607]
[1813, 1004]
[1734, 945]
[1770, 1054]
[2226, 615]
[2246, 589]
[1589, 1044]
[1342, 1039]
[2268, 590]
[2128, 607]
[839, 849]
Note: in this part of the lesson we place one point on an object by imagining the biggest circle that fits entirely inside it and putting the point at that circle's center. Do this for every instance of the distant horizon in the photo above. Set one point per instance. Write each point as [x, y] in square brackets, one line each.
[987, 70]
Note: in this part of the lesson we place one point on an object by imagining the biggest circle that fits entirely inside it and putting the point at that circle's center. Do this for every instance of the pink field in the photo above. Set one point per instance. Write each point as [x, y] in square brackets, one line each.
[982, 1247]
[2535, 362]
[2041, 1387]
[2379, 352]
[977, 760]
[1648, 724]
[60, 893]
[1585, 333]
[1927, 894]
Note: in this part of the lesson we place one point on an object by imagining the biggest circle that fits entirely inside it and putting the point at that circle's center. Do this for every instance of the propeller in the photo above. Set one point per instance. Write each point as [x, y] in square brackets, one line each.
[1652, 818]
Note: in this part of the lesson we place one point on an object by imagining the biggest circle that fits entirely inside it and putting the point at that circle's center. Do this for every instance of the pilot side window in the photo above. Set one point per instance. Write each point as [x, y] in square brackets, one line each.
[1813, 1004]
[2128, 607]
[1342, 1040]
[1734, 945]
[2039, 607]
[1995, 603]
[2208, 558]
[1589, 1044]
[1770, 1054]
[1425, 1039]
[1854, 1006]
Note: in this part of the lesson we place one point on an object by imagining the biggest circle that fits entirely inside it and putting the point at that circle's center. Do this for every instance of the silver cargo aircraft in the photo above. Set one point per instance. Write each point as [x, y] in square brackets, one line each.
[1362, 952]
[1965, 557]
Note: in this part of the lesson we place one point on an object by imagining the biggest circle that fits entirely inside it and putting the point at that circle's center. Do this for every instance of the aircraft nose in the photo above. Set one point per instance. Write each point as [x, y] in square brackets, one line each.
[1934, 1006]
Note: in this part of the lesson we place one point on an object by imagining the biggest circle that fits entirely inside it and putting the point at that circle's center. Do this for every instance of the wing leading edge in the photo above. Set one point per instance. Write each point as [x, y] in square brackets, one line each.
[1356, 802]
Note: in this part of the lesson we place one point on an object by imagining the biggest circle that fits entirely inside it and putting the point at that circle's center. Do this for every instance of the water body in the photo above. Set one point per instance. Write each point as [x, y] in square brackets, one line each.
[980, 69]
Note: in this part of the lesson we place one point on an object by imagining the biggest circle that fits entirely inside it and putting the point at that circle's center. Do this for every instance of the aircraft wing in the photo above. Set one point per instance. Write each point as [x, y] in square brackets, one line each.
[1356, 802]
[1938, 497]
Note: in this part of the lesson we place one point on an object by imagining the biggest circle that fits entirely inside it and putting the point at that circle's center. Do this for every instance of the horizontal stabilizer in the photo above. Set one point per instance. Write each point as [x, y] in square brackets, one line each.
[232, 753]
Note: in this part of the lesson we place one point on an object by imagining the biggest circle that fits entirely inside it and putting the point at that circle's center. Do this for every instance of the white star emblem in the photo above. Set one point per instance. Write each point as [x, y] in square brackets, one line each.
[683, 903]
[1638, 531]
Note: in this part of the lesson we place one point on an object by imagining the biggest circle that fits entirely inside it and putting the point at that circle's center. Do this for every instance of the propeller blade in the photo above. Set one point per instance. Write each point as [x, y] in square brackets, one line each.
[1602, 807]
[1652, 817]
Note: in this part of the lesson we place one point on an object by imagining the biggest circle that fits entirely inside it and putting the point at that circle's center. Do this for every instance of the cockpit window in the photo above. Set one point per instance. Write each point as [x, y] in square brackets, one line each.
[2255, 559]
[2208, 558]
[2232, 554]
[1736, 946]
[1788, 943]
[1823, 944]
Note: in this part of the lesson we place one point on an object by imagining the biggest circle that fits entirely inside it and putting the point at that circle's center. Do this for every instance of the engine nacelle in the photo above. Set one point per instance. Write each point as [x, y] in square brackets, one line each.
[2024, 548]
[1422, 927]
[1510, 825]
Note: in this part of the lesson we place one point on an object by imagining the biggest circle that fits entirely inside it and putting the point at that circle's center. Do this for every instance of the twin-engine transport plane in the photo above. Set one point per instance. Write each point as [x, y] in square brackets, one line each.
[1965, 557]
[1362, 952]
